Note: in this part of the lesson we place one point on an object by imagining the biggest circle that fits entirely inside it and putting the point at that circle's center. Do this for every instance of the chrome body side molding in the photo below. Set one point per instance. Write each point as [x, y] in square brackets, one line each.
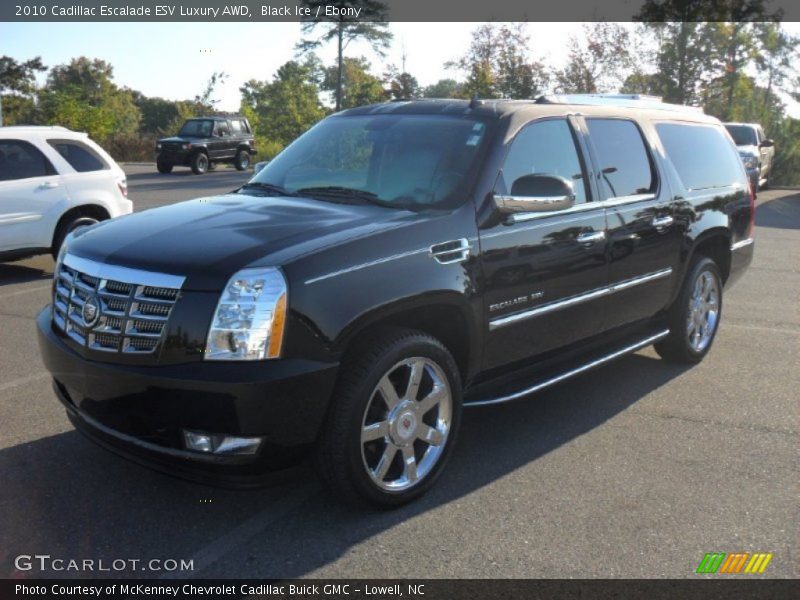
[573, 300]
[365, 265]
[572, 372]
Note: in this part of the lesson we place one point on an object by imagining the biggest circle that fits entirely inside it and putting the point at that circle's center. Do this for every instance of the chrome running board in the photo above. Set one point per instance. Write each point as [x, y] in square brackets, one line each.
[571, 373]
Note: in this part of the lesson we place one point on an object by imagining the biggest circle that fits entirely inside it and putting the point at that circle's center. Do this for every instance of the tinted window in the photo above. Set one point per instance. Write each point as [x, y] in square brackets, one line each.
[197, 128]
[624, 161]
[21, 160]
[742, 135]
[221, 128]
[80, 157]
[545, 148]
[702, 155]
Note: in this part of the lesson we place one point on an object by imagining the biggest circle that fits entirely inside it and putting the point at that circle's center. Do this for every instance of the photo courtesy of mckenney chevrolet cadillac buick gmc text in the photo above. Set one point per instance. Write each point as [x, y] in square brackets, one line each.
[397, 263]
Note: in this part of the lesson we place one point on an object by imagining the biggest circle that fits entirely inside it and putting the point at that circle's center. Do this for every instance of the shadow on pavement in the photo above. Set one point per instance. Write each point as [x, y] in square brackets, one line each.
[11, 273]
[66, 497]
[782, 213]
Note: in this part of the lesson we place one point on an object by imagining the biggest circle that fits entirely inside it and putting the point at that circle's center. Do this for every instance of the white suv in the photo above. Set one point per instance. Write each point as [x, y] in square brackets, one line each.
[52, 181]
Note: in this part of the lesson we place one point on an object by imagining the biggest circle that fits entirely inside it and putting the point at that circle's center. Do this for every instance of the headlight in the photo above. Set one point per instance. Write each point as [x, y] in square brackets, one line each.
[186, 146]
[158, 146]
[250, 318]
[750, 162]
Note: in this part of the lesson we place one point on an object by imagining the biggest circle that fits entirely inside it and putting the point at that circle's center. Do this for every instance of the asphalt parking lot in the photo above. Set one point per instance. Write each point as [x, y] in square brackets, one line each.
[634, 470]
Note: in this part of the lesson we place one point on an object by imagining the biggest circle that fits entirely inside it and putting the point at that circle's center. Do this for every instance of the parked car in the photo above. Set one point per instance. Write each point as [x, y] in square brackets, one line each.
[393, 265]
[53, 181]
[757, 152]
[205, 142]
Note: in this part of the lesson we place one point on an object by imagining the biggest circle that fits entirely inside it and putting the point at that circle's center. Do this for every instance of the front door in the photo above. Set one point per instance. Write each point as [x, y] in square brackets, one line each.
[541, 270]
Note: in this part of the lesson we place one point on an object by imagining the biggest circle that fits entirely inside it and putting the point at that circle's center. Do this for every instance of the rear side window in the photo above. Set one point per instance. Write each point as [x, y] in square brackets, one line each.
[546, 148]
[22, 160]
[625, 167]
[702, 155]
[236, 127]
[80, 156]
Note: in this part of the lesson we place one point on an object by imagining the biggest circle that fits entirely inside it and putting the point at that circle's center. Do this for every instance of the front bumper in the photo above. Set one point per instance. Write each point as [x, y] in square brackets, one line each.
[140, 411]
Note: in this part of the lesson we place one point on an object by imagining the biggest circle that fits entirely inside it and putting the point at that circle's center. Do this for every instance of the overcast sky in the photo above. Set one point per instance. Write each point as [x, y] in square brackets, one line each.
[173, 60]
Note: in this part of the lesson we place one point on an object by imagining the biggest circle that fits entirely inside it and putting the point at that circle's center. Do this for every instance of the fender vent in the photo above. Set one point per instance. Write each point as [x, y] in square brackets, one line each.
[454, 251]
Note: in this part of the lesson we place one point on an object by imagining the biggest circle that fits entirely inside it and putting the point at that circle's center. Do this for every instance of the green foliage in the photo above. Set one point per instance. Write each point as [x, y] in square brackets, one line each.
[358, 85]
[444, 88]
[598, 61]
[19, 77]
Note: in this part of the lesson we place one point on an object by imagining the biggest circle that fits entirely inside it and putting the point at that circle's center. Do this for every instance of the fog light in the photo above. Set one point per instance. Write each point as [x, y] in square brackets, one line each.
[220, 443]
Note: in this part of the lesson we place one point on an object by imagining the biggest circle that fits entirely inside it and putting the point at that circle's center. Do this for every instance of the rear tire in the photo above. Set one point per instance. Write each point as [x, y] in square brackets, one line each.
[393, 420]
[242, 160]
[67, 227]
[199, 163]
[695, 315]
[164, 167]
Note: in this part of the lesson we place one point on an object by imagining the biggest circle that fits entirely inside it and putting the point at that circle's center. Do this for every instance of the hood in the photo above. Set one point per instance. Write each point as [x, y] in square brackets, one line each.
[181, 139]
[748, 150]
[208, 239]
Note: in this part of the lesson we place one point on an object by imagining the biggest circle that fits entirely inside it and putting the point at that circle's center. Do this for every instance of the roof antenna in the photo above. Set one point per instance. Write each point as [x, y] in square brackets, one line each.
[475, 102]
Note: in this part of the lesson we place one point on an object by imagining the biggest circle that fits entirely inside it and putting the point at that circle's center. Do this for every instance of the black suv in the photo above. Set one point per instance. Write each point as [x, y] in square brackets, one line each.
[393, 265]
[204, 142]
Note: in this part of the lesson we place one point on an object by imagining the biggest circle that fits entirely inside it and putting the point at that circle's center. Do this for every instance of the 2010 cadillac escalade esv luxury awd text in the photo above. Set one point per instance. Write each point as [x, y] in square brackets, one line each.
[395, 264]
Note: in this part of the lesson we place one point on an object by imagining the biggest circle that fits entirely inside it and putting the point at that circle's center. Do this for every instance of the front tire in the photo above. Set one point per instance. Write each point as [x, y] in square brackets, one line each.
[242, 160]
[199, 163]
[695, 316]
[164, 167]
[393, 420]
[64, 229]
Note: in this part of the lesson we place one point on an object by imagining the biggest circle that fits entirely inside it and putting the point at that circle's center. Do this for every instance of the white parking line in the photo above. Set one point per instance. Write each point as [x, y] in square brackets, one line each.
[9, 385]
[27, 291]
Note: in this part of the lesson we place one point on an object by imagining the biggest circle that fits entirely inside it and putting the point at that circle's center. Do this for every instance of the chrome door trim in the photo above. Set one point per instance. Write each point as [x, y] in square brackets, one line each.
[579, 299]
[572, 372]
[372, 263]
[610, 203]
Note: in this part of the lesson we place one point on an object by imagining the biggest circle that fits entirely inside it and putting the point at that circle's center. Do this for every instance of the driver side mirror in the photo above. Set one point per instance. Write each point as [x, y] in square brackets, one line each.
[537, 193]
[767, 144]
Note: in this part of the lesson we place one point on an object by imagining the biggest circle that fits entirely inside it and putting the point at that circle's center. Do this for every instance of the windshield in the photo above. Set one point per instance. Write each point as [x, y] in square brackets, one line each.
[405, 160]
[742, 135]
[197, 128]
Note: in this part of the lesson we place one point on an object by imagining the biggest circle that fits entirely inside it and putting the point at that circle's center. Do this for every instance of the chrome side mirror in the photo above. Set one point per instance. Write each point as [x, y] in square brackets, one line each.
[537, 193]
[259, 165]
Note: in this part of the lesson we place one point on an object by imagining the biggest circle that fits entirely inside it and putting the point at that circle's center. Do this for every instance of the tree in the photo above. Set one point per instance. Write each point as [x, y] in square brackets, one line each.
[205, 103]
[402, 85]
[497, 63]
[284, 108]
[776, 57]
[444, 88]
[17, 87]
[356, 84]
[370, 27]
[598, 62]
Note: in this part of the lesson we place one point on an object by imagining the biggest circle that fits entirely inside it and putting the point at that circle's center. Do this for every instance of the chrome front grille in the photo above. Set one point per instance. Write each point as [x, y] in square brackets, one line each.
[128, 309]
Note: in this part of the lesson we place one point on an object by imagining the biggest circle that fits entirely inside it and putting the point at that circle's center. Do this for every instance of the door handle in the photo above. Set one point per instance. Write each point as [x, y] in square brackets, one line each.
[663, 222]
[49, 185]
[590, 237]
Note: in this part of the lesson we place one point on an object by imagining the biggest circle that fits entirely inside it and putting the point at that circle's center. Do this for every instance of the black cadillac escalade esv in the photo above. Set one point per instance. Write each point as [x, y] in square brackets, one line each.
[204, 142]
[396, 264]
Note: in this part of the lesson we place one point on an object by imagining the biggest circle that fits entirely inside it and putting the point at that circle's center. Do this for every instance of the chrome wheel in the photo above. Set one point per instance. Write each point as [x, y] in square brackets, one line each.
[703, 312]
[406, 424]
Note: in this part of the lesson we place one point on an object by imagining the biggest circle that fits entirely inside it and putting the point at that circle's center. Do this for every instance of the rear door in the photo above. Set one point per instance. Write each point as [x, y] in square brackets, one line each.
[29, 187]
[643, 238]
[542, 271]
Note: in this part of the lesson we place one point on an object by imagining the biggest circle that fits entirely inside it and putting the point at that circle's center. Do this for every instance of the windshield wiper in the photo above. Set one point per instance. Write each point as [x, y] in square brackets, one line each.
[344, 194]
[268, 188]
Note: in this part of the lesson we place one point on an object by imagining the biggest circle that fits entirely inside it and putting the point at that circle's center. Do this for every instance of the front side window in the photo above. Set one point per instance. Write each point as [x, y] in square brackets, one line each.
[197, 128]
[80, 157]
[625, 168]
[222, 129]
[544, 148]
[22, 160]
[701, 154]
[405, 160]
[742, 135]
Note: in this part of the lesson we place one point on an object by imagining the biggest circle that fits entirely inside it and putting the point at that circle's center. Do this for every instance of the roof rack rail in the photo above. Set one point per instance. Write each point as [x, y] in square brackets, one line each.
[623, 100]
